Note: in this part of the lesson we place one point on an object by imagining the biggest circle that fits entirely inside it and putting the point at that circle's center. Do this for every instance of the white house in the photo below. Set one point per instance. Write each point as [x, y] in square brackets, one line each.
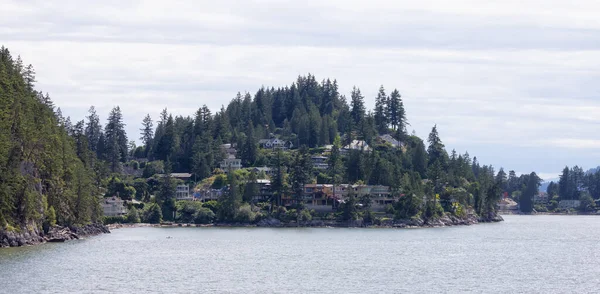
[183, 193]
[274, 143]
[356, 145]
[231, 164]
[114, 206]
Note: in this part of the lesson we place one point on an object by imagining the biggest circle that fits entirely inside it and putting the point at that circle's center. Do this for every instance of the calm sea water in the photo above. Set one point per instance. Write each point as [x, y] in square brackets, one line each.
[524, 254]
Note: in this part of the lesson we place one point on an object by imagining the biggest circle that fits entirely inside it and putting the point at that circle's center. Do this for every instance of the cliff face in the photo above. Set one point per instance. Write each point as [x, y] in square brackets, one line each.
[55, 234]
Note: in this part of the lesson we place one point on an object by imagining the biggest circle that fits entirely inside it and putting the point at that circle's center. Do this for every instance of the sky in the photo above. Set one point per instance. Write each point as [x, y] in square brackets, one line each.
[515, 83]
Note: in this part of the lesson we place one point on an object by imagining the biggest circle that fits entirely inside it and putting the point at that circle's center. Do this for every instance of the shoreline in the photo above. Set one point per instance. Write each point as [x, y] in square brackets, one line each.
[547, 213]
[56, 234]
[274, 223]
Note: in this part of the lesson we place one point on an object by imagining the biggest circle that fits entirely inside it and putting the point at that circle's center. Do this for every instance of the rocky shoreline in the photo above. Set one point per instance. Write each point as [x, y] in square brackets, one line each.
[61, 234]
[36, 236]
[446, 221]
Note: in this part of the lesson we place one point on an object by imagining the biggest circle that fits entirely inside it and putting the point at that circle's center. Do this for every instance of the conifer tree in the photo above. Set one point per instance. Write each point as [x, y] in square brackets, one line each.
[381, 111]
[93, 129]
[146, 133]
[116, 139]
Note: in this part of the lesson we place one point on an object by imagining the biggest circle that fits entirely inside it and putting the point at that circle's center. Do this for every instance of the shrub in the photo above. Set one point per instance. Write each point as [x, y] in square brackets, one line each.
[113, 220]
[389, 209]
[368, 216]
[133, 216]
[305, 215]
[204, 216]
[212, 205]
[51, 217]
[186, 210]
[280, 213]
[291, 215]
[540, 208]
[245, 214]
[153, 214]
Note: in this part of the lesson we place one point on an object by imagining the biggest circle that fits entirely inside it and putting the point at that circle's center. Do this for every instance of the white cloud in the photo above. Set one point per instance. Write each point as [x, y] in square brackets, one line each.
[514, 82]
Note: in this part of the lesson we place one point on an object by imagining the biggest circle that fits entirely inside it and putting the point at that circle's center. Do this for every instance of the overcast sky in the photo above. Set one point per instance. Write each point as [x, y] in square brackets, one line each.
[515, 83]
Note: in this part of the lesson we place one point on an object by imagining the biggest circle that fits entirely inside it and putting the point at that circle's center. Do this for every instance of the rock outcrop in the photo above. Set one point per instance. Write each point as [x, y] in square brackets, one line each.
[32, 236]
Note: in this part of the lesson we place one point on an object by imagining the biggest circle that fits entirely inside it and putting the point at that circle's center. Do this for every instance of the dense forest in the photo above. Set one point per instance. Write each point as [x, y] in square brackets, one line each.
[46, 173]
[54, 170]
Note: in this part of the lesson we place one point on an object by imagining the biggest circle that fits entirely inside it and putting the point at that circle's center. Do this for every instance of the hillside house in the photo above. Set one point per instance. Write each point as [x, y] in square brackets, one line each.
[275, 143]
[319, 162]
[182, 192]
[267, 170]
[114, 206]
[231, 164]
[356, 145]
[389, 139]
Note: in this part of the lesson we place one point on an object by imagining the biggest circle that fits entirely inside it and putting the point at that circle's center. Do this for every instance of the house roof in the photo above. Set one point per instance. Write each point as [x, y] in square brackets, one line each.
[357, 145]
[177, 175]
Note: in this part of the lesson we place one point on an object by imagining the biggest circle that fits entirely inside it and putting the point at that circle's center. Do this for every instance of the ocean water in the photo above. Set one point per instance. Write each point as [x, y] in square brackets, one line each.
[524, 254]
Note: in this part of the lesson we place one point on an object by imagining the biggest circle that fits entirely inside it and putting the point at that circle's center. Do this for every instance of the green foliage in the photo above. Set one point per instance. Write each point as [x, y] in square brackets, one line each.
[116, 187]
[51, 216]
[526, 200]
[133, 216]
[107, 220]
[348, 209]
[42, 155]
[587, 202]
[204, 216]
[245, 214]
[152, 214]
[305, 215]
[152, 168]
[408, 206]
[213, 205]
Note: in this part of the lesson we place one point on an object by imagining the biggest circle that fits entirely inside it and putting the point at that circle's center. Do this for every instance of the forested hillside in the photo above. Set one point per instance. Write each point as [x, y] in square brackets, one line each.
[56, 170]
[309, 114]
[46, 174]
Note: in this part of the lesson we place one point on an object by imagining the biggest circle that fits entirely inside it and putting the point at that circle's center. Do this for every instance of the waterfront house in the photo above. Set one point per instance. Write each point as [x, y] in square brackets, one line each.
[183, 193]
[231, 164]
[114, 206]
[319, 162]
[208, 194]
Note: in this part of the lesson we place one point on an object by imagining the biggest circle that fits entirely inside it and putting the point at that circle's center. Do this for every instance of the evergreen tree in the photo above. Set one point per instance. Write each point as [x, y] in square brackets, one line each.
[357, 104]
[166, 142]
[231, 200]
[166, 193]
[397, 113]
[381, 111]
[436, 150]
[502, 179]
[249, 148]
[301, 172]
[93, 129]
[146, 133]
[116, 139]
[278, 186]
[531, 189]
